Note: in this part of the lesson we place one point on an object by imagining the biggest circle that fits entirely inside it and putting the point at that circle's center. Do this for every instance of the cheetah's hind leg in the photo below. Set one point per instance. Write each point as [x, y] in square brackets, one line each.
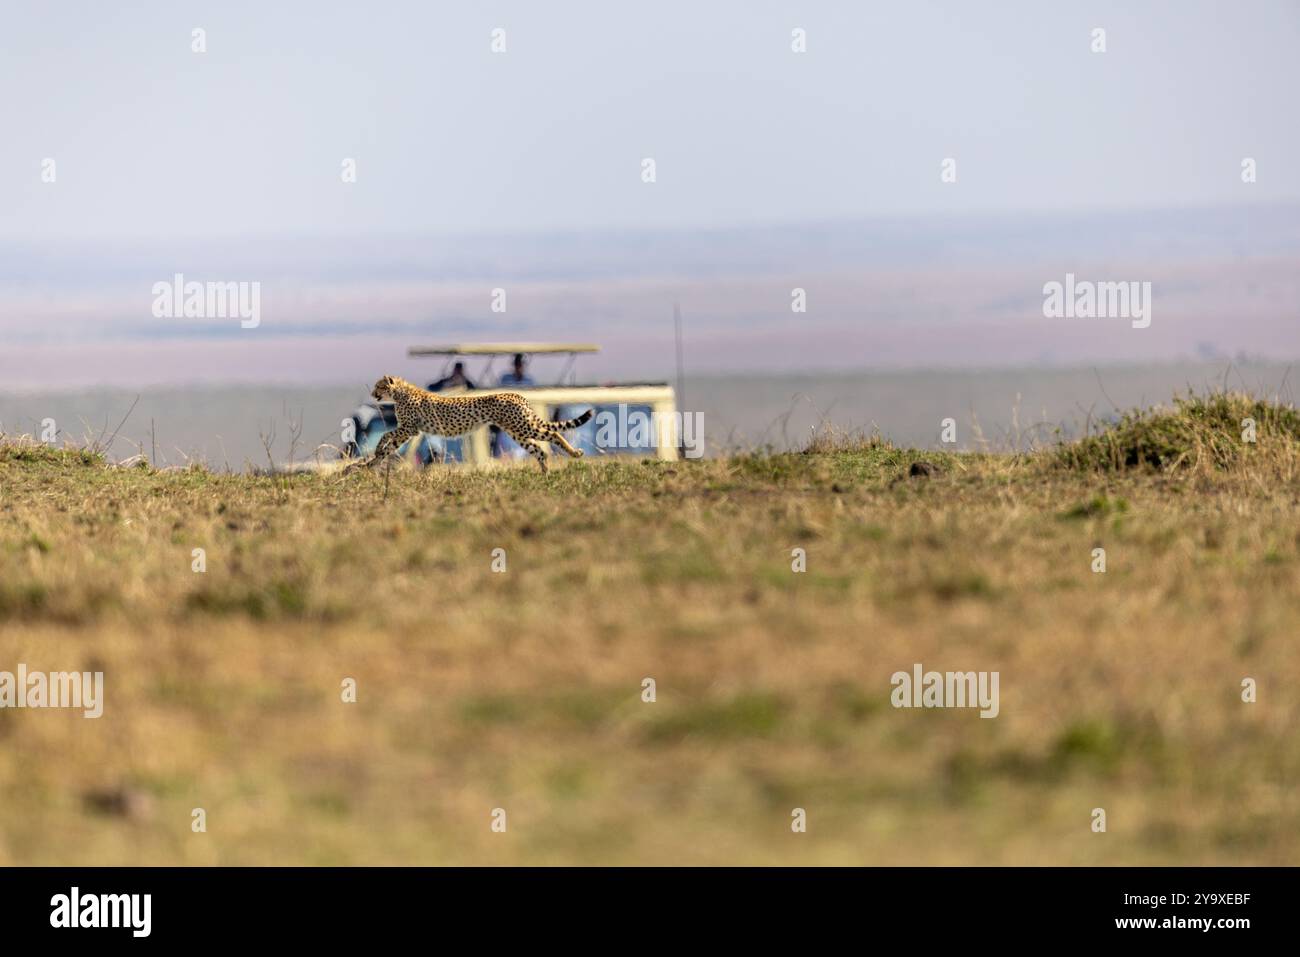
[538, 449]
[556, 438]
[534, 440]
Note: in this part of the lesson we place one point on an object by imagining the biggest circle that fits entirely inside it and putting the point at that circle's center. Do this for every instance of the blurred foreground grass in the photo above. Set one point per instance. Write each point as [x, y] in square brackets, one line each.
[522, 690]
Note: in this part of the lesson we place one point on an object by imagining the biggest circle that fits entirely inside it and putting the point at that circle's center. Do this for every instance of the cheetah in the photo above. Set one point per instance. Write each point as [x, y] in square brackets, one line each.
[420, 411]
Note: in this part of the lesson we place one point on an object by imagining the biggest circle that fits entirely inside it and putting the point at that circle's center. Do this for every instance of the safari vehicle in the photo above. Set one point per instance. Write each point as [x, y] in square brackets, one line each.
[605, 434]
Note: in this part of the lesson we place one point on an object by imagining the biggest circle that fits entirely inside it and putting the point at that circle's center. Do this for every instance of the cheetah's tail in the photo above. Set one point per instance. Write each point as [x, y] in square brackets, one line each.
[573, 423]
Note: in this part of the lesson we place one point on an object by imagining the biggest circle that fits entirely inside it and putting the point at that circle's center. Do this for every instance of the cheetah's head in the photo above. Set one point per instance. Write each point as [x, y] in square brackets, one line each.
[384, 388]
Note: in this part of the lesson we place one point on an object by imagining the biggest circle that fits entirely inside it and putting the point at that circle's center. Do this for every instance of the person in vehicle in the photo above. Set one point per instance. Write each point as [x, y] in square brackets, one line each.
[457, 380]
[518, 376]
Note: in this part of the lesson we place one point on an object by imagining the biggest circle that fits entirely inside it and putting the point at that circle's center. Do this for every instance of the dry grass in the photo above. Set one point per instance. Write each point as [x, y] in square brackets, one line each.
[522, 690]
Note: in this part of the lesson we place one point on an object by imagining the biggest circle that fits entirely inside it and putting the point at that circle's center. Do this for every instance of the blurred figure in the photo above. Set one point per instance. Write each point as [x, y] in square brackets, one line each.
[518, 376]
[457, 380]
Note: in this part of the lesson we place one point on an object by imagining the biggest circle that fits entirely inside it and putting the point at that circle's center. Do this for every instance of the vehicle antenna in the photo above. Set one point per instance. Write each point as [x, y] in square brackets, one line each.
[681, 374]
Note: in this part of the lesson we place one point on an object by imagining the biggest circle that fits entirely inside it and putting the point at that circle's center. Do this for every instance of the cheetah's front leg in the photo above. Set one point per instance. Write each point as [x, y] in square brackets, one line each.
[389, 443]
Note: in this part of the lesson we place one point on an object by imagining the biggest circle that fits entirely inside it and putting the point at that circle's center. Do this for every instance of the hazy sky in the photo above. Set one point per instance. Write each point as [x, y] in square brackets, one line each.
[154, 141]
[523, 169]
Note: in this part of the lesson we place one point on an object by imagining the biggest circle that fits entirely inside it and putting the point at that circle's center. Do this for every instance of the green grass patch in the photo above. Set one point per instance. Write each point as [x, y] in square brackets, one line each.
[1211, 431]
[747, 715]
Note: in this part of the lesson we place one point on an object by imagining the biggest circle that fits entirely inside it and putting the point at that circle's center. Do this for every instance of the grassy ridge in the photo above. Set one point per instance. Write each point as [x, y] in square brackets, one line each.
[522, 690]
[1217, 431]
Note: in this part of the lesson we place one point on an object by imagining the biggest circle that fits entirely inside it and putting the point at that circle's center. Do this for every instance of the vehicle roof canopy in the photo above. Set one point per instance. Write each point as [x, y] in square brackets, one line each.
[502, 348]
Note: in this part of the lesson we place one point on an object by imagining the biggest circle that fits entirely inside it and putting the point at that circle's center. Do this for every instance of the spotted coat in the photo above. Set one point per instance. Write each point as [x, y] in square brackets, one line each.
[421, 411]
